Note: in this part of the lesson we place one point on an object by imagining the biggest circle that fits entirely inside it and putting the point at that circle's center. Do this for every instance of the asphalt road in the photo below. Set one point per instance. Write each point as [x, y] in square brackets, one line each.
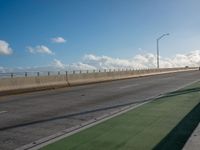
[28, 117]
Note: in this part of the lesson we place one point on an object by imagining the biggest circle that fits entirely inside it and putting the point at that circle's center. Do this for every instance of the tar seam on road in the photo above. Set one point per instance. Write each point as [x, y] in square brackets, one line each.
[74, 114]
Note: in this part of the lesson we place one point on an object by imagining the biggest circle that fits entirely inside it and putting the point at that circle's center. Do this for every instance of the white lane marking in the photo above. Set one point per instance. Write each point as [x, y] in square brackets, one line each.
[128, 86]
[70, 131]
[1, 112]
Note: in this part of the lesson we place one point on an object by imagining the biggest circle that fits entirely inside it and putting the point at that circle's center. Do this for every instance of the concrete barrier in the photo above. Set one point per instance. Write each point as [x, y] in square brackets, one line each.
[24, 84]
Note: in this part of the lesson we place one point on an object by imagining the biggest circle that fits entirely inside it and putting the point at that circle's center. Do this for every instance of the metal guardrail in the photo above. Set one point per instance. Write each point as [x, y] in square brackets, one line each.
[53, 73]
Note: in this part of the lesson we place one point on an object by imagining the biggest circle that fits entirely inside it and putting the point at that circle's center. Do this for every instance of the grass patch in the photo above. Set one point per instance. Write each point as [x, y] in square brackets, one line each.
[165, 123]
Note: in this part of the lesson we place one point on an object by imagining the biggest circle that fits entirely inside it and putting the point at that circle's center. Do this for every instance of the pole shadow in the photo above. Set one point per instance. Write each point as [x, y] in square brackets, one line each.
[181, 92]
[177, 138]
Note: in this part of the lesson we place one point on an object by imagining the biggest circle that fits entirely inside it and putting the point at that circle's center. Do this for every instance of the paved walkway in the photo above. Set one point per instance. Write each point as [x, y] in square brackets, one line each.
[194, 141]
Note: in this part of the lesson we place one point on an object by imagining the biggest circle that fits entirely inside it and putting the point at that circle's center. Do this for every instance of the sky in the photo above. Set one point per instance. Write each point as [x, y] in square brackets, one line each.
[60, 33]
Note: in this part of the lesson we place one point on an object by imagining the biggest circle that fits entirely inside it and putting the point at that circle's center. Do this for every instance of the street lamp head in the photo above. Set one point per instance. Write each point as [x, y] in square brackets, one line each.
[166, 34]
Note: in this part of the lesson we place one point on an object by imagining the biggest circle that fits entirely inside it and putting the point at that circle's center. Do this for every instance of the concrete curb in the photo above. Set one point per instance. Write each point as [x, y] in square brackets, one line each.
[193, 142]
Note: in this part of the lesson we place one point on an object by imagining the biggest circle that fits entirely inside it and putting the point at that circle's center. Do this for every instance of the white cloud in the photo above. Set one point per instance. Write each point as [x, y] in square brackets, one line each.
[2, 70]
[91, 62]
[80, 66]
[40, 49]
[58, 64]
[4, 48]
[58, 40]
[146, 60]
[191, 59]
[105, 62]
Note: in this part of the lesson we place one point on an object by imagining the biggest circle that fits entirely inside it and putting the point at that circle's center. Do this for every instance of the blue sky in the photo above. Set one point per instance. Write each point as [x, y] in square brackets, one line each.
[114, 28]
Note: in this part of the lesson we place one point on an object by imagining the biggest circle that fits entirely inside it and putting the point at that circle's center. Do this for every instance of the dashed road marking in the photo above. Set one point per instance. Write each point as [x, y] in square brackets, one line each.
[128, 86]
[1, 112]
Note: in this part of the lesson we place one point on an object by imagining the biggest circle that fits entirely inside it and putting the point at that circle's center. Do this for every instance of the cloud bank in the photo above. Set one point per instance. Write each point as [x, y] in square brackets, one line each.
[146, 60]
[91, 62]
[5, 48]
[40, 49]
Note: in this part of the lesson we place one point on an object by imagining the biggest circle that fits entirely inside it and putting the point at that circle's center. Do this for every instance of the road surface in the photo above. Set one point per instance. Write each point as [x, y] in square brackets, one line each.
[25, 118]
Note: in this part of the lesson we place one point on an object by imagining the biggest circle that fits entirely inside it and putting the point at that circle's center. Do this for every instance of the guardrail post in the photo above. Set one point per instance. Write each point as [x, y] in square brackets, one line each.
[66, 77]
[66, 74]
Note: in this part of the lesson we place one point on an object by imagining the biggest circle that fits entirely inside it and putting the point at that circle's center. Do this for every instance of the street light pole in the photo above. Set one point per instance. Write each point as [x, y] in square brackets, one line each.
[157, 41]
[157, 53]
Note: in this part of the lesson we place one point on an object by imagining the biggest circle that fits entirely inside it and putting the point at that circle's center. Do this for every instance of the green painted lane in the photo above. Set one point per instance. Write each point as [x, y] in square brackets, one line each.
[165, 123]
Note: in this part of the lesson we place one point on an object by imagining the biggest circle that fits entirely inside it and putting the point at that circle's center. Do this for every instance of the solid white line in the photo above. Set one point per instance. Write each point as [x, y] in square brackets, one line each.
[63, 134]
